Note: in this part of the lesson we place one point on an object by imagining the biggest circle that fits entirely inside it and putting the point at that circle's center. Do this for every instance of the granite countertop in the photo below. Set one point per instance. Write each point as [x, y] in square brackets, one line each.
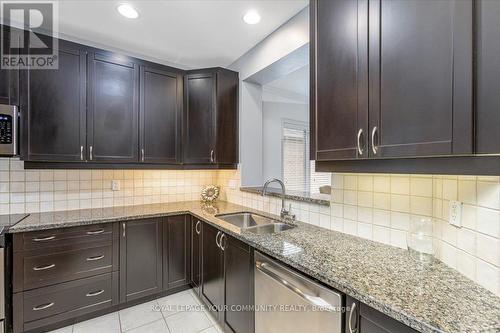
[429, 298]
[319, 199]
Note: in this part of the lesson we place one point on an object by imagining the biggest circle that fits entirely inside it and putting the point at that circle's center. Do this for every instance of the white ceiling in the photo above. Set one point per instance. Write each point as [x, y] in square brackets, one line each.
[189, 33]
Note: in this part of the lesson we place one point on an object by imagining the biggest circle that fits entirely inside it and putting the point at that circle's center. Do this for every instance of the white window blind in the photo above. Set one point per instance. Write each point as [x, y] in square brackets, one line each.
[298, 171]
[294, 158]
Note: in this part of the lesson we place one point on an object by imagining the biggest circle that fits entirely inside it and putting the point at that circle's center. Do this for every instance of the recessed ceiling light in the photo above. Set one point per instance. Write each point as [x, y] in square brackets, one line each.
[251, 17]
[128, 11]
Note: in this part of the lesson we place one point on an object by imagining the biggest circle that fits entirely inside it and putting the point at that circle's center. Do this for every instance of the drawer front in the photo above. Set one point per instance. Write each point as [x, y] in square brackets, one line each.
[47, 239]
[67, 297]
[43, 270]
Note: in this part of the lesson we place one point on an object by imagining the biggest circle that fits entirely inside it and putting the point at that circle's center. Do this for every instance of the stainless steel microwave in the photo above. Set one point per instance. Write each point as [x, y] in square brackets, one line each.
[8, 130]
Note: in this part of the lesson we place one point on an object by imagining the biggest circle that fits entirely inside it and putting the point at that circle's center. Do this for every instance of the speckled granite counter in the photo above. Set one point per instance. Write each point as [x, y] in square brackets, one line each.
[432, 298]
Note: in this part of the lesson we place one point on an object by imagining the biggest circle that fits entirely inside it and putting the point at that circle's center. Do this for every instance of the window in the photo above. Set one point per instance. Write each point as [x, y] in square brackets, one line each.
[298, 172]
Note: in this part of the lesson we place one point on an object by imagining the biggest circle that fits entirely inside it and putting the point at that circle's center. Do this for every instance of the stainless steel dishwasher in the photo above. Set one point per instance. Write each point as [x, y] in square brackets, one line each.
[286, 301]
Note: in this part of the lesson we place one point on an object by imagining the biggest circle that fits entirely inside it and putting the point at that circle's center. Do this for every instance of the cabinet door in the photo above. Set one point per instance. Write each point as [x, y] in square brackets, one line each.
[9, 78]
[113, 117]
[140, 259]
[175, 252]
[340, 75]
[238, 285]
[420, 78]
[365, 319]
[53, 106]
[199, 122]
[160, 112]
[488, 77]
[226, 151]
[196, 254]
[212, 272]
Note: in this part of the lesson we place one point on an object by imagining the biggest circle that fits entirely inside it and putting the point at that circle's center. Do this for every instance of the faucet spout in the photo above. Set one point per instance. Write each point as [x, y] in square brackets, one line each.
[284, 213]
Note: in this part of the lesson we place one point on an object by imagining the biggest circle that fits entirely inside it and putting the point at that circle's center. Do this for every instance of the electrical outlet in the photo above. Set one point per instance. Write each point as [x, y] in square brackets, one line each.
[456, 213]
[232, 184]
[115, 185]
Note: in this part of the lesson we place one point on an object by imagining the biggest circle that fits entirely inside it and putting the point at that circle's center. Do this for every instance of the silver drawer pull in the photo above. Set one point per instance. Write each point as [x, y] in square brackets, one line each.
[43, 306]
[42, 268]
[95, 232]
[44, 239]
[95, 293]
[95, 258]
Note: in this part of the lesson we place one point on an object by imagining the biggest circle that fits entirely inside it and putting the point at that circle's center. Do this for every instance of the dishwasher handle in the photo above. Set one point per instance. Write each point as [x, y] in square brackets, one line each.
[266, 269]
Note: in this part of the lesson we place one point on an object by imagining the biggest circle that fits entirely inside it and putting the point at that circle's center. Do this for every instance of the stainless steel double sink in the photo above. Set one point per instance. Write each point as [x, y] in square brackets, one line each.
[258, 224]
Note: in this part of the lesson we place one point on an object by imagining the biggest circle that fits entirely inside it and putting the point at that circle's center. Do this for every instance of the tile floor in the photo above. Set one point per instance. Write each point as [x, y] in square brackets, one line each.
[177, 313]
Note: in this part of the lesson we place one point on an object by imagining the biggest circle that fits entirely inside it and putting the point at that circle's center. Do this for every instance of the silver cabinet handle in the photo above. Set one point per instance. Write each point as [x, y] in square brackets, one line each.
[90, 153]
[142, 155]
[216, 237]
[374, 146]
[81, 153]
[222, 247]
[312, 299]
[43, 306]
[42, 268]
[95, 293]
[123, 228]
[95, 258]
[212, 159]
[95, 232]
[44, 239]
[198, 224]
[360, 149]
[353, 306]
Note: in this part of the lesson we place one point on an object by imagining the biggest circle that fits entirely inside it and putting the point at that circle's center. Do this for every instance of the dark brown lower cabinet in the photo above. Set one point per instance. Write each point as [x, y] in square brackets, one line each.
[238, 286]
[227, 279]
[196, 254]
[361, 318]
[176, 239]
[140, 258]
[212, 270]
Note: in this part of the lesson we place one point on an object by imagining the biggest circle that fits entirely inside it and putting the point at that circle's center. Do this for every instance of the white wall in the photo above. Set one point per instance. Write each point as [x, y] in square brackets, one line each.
[284, 40]
[273, 115]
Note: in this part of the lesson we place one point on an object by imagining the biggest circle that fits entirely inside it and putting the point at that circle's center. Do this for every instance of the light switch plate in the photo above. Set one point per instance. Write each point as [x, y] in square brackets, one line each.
[456, 213]
[115, 185]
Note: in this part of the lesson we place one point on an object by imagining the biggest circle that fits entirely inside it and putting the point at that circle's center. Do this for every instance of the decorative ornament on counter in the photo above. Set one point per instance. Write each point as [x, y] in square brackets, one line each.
[210, 193]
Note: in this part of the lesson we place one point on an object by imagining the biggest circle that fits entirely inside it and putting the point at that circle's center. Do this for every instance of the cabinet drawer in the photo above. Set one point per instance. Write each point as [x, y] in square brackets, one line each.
[67, 297]
[47, 269]
[47, 239]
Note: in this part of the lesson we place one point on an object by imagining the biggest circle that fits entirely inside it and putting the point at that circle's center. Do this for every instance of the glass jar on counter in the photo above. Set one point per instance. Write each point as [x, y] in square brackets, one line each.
[419, 239]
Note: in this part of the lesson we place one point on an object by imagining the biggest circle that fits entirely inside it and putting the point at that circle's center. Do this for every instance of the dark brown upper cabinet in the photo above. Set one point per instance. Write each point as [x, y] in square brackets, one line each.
[140, 258]
[53, 108]
[391, 79]
[176, 251]
[9, 78]
[211, 117]
[113, 112]
[420, 78]
[339, 78]
[487, 77]
[160, 116]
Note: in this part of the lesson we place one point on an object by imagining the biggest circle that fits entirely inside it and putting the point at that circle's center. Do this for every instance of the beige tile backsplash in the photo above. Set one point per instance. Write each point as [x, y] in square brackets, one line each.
[380, 207]
[26, 191]
[373, 206]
